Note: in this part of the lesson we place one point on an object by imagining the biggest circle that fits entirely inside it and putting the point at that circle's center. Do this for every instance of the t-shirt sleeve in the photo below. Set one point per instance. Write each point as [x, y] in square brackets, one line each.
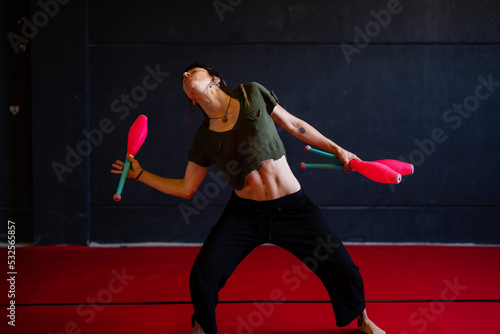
[197, 153]
[270, 98]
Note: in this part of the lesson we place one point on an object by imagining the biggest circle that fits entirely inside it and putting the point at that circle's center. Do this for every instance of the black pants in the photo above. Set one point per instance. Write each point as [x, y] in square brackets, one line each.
[292, 222]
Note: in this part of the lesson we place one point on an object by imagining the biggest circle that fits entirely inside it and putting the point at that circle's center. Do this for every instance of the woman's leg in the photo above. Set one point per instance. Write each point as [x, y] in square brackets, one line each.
[228, 243]
[322, 251]
[367, 326]
[304, 232]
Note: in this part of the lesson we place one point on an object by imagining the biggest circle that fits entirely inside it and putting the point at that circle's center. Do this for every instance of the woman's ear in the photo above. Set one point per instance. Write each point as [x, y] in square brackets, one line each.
[214, 83]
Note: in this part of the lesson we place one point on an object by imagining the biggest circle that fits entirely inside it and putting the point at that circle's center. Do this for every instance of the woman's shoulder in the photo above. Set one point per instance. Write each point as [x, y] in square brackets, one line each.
[254, 87]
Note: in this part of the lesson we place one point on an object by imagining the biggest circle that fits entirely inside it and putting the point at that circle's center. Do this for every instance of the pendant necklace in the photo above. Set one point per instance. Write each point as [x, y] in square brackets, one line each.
[224, 118]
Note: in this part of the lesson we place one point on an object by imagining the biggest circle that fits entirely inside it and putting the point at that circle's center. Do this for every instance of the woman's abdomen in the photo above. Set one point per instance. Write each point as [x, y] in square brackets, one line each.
[273, 179]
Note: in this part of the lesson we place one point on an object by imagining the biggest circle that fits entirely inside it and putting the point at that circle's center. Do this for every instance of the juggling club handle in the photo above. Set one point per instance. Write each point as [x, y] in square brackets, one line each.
[400, 167]
[303, 165]
[375, 171]
[118, 196]
[322, 153]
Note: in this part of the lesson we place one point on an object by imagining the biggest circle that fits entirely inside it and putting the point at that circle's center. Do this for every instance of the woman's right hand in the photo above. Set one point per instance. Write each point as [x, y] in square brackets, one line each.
[135, 167]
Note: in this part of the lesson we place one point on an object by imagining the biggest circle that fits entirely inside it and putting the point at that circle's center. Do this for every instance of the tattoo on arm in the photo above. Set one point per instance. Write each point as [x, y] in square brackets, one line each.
[302, 130]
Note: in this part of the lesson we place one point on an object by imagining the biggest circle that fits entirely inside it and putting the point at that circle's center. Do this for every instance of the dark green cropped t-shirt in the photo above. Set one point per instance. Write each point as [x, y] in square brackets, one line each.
[253, 138]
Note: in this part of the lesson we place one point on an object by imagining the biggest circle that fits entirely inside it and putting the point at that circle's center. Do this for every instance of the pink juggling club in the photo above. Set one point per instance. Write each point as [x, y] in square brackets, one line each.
[383, 171]
[136, 137]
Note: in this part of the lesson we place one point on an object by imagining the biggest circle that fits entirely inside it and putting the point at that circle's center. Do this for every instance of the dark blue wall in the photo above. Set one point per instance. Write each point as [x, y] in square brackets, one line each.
[16, 182]
[389, 98]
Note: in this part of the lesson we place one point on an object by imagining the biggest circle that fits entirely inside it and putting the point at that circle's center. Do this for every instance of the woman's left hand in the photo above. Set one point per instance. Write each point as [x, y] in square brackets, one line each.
[346, 156]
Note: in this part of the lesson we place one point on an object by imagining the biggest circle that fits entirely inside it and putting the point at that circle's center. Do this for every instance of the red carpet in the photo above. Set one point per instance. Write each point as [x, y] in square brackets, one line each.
[409, 289]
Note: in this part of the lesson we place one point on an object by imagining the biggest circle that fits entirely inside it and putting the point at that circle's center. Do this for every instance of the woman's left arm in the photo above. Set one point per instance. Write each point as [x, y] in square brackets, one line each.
[305, 132]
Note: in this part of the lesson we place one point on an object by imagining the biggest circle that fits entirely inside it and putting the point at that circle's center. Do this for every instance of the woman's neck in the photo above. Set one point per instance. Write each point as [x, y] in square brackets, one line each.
[215, 102]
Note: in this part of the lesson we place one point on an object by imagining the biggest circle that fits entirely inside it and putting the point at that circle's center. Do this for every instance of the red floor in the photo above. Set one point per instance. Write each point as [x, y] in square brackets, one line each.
[409, 289]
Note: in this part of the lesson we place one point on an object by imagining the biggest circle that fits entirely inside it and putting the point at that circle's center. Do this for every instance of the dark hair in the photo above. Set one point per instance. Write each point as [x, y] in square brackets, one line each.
[213, 73]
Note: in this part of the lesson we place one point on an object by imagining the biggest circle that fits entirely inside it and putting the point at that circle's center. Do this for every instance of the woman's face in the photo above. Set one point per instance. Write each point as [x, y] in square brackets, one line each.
[195, 81]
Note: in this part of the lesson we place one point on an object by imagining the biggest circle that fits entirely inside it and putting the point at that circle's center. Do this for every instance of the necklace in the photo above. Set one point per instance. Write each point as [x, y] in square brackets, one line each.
[224, 118]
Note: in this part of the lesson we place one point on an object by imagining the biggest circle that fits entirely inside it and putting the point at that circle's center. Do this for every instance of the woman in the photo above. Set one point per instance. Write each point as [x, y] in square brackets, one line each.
[267, 205]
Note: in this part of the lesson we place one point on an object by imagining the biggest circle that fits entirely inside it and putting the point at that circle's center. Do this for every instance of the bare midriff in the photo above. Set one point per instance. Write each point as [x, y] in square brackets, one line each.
[273, 179]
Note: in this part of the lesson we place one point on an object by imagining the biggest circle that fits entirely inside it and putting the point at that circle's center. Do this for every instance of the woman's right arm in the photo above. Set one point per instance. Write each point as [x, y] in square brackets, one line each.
[185, 188]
